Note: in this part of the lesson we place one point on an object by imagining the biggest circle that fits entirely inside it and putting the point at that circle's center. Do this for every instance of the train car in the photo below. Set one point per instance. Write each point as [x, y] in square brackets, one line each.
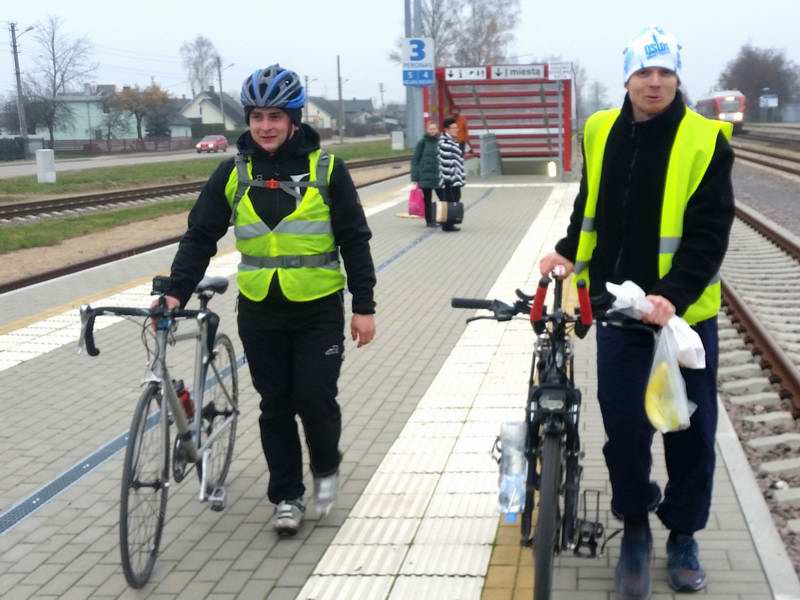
[725, 105]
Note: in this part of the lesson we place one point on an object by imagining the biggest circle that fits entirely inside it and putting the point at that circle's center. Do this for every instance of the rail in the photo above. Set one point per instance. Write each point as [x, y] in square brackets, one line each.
[773, 357]
[24, 209]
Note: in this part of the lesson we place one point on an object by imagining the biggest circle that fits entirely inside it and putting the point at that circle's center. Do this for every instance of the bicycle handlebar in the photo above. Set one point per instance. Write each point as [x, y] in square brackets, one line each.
[472, 303]
[89, 314]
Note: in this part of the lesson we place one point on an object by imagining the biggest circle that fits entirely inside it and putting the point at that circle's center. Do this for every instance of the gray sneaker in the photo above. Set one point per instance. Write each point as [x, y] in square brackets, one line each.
[287, 516]
[325, 491]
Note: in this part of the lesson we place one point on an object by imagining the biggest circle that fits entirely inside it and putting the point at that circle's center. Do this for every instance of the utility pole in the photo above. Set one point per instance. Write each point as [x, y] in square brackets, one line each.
[341, 103]
[221, 105]
[382, 89]
[23, 125]
[409, 89]
[413, 94]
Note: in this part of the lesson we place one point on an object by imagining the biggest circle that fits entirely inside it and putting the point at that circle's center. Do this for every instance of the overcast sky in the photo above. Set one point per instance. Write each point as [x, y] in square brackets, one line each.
[134, 41]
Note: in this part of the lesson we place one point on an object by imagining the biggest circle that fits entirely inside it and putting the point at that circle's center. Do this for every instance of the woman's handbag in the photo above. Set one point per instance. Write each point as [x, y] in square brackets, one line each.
[416, 202]
[449, 213]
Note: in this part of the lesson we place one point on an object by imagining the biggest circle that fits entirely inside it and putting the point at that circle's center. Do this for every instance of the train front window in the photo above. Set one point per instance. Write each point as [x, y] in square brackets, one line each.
[729, 105]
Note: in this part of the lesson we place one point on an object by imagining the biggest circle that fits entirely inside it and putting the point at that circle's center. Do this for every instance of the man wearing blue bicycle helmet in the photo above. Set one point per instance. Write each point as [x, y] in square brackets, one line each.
[295, 212]
[655, 207]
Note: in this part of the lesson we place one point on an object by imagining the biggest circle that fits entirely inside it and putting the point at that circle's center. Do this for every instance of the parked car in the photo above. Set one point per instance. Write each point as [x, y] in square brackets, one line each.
[212, 143]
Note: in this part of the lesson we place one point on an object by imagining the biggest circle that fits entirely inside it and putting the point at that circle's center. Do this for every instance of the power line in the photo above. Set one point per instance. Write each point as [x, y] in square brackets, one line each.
[138, 54]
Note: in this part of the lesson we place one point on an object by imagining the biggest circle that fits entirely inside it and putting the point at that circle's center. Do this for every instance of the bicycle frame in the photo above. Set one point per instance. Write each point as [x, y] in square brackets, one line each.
[158, 373]
[553, 408]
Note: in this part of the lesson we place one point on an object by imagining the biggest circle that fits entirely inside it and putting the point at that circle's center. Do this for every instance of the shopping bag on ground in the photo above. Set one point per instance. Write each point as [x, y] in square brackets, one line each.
[665, 401]
[416, 203]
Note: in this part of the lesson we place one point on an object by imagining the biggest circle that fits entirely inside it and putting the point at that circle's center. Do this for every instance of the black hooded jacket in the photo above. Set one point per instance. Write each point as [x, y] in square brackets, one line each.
[210, 217]
[628, 215]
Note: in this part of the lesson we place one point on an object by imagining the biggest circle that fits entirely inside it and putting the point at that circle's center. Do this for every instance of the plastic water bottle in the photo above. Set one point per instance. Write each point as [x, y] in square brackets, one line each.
[513, 468]
[186, 399]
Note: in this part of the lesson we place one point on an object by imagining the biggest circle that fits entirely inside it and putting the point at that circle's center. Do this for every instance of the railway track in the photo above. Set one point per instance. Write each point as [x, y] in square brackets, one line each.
[759, 371]
[784, 160]
[59, 206]
[93, 262]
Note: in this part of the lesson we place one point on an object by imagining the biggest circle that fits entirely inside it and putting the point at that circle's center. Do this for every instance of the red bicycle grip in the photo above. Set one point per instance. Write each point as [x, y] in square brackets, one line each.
[584, 303]
[538, 300]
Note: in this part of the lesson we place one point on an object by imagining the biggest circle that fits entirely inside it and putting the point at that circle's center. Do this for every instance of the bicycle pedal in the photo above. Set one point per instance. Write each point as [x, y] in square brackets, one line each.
[216, 499]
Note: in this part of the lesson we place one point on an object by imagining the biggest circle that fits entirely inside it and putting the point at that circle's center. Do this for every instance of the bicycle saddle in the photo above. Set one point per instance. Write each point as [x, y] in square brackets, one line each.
[212, 284]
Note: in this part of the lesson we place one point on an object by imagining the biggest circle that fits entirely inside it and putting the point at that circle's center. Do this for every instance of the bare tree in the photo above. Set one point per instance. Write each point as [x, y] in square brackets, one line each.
[486, 31]
[440, 22]
[476, 33]
[199, 59]
[757, 68]
[596, 98]
[62, 62]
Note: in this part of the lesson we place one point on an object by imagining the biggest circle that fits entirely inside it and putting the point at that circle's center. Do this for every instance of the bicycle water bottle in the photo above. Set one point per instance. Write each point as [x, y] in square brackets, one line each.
[513, 468]
[185, 398]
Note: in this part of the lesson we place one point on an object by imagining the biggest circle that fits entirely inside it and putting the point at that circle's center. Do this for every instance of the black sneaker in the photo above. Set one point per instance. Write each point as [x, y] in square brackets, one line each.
[632, 575]
[684, 571]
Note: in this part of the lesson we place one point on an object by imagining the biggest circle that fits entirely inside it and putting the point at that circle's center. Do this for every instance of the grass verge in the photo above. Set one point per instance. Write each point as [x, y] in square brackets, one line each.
[52, 231]
[106, 178]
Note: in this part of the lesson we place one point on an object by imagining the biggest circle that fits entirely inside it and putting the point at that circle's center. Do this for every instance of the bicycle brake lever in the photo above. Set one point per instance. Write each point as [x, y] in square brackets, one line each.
[477, 319]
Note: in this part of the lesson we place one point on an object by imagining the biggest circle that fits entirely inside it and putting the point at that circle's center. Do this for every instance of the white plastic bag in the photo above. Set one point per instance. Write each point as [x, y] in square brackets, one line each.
[665, 400]
[629, 299]
[689, 346]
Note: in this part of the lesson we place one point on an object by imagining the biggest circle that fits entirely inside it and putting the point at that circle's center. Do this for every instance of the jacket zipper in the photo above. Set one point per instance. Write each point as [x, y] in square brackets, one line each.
[626, 199]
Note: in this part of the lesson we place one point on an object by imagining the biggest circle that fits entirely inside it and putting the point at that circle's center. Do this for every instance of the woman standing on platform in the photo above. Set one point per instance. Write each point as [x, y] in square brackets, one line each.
[451, 167]
[425, 169]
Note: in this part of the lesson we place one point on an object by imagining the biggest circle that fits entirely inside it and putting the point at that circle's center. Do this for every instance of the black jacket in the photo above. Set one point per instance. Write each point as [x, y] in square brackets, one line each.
[628, 213]
[210, 217]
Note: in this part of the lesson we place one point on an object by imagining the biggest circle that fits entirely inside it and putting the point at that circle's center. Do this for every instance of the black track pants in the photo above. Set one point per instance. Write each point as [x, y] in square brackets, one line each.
[295, 368]
[623, 367]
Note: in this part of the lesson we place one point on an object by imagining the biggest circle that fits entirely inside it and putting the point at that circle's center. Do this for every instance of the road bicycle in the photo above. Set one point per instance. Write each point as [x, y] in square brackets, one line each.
[205, 421]
[552, 441]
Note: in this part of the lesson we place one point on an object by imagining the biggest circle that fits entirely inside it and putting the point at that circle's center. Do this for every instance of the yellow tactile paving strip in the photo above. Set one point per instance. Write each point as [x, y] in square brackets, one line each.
[510, 574]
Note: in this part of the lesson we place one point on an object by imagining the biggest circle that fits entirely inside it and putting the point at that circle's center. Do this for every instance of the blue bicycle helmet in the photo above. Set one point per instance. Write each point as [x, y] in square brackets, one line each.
[273, 87]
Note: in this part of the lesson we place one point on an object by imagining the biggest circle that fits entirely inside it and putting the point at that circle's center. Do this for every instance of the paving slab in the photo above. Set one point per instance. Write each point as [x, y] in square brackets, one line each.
[421, 407]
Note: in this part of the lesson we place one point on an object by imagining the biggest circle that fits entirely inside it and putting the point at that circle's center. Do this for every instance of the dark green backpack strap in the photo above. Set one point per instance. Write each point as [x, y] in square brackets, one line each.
[243, 182]
[323, 162]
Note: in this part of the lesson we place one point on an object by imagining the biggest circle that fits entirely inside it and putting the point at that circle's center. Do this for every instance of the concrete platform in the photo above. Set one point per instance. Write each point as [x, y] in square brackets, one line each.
[421, 406]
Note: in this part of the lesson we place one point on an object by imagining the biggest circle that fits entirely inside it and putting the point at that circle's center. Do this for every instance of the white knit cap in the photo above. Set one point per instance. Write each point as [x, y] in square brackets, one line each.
[653, 47]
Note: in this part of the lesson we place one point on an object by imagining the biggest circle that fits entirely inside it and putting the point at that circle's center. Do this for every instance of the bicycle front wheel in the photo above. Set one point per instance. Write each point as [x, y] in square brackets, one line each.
[544, 536]
[145, 479]
[220, 410]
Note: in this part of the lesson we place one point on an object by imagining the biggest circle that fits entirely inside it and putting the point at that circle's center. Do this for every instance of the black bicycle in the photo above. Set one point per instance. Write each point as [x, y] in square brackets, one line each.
[552, 444]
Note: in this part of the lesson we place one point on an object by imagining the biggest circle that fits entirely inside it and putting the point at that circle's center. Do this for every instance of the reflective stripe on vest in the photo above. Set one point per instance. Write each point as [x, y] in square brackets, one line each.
[300, 250]
[692, 151]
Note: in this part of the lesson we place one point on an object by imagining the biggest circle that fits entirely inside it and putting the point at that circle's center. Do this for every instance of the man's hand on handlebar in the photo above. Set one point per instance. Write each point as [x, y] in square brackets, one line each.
[550, 261]
[170, 303]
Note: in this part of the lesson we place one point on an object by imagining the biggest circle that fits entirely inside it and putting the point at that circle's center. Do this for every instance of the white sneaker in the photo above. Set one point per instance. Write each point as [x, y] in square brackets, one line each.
[325, 491]
[287, 516]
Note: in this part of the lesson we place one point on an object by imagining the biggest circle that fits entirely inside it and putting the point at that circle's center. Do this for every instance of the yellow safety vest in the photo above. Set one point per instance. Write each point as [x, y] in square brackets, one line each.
[689, 158]
[301, 248]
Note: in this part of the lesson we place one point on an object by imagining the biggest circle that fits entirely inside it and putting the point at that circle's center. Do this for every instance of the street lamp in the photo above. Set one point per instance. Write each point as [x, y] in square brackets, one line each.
[308, 96]
[220, 69]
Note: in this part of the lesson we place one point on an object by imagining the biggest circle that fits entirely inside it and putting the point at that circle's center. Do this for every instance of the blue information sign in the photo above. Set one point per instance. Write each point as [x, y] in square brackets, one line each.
[418, 77]
[418, 63]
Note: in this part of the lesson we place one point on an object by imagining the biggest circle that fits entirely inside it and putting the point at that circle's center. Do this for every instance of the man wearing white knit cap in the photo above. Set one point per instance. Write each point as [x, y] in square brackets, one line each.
[655, 207]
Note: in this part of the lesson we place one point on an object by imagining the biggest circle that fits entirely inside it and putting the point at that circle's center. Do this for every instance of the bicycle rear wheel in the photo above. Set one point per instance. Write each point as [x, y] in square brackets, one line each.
[220, 404]
[544, 536]
[145, 478]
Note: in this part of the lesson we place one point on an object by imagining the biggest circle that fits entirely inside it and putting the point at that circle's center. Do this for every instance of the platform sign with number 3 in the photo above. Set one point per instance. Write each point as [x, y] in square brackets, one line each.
[418, 61]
